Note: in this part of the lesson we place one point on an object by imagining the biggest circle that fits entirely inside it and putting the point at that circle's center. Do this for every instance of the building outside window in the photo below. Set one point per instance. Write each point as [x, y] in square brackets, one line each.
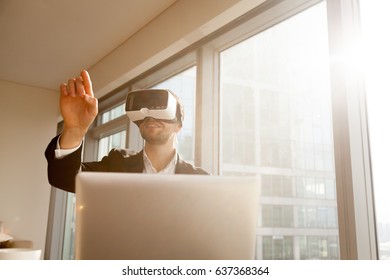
[276, 123]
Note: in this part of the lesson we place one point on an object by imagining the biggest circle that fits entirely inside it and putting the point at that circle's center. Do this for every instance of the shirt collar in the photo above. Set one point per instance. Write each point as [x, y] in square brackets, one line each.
[169, 169]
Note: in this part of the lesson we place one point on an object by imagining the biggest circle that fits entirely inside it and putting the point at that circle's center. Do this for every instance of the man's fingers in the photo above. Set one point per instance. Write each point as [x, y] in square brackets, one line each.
[80, 86]
[64, 90]
[72, 87]
[87, 83]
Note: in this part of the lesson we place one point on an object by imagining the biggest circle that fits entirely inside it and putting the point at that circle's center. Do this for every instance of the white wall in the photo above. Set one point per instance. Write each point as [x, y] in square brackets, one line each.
[28, 118]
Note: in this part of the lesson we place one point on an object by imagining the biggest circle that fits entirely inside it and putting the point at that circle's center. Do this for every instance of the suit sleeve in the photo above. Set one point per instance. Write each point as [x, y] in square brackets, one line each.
[62, 172]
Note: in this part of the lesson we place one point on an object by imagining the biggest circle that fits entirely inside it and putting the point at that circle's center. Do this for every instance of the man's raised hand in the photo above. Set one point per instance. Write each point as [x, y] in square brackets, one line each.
[78, 108]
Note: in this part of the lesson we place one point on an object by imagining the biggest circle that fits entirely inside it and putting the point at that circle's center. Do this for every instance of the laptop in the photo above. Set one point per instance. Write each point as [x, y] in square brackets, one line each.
[123, 216]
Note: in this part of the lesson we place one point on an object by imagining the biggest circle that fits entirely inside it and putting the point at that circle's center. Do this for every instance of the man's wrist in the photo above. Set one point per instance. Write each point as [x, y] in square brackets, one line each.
[60, 152]
[71, 139]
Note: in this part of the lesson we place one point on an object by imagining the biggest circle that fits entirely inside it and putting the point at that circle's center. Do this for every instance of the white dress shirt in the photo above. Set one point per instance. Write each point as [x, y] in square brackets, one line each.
[169, 169]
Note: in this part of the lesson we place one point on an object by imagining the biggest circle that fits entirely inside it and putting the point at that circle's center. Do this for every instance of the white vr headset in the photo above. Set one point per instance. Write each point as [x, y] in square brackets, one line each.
[155, 103]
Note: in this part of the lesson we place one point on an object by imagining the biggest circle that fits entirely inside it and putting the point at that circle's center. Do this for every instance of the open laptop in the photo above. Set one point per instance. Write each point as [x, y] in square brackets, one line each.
[138, 216]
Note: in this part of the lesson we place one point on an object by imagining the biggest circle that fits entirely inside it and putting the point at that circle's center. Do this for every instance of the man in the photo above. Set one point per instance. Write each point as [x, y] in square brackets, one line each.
[79, 109]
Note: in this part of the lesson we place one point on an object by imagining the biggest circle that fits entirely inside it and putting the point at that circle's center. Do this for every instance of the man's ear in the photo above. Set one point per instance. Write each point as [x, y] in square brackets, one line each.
[178, 127]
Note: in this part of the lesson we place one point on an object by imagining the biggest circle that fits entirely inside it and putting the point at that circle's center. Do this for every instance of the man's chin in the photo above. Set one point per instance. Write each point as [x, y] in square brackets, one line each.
[154, 140]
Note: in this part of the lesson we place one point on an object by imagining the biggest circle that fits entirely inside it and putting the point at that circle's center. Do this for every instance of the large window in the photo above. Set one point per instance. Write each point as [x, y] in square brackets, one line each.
[276, 122]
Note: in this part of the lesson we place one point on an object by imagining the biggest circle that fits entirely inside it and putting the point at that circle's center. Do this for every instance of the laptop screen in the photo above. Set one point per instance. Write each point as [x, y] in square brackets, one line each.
[140, 216]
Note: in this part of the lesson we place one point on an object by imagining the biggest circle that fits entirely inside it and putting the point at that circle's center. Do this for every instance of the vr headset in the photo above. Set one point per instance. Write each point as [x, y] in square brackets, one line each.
[154, 103]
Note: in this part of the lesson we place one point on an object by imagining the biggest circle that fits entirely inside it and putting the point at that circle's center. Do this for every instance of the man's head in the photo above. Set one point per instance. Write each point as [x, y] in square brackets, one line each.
[158, 113]
[159, 104]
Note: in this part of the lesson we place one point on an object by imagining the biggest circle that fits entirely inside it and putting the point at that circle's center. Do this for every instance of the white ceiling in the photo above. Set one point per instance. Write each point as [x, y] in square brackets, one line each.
[44, 42]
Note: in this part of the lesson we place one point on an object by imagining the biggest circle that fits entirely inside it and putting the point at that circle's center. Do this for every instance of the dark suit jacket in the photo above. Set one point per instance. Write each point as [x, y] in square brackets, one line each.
[62, 172]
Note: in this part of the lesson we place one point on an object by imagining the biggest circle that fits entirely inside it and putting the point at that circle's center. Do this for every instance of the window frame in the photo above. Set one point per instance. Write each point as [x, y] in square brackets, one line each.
[353, 173]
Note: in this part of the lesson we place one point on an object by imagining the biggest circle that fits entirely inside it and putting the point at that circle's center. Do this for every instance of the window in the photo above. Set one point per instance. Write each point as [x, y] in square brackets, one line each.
[276, 122]
[113, 113]
[277, 216]
[116, 140]
[318, 247]
[277, 247]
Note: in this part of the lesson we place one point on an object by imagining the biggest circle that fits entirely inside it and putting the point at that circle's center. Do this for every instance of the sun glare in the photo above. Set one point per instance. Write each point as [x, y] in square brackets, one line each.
[375, 21]
[376, 57]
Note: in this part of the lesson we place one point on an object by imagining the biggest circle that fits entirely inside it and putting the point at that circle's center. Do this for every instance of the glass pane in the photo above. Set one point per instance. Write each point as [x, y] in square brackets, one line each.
[376, 46]
[113, 113]
[184, 85]
[70, 228]
[276, 122]
[117, 140]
